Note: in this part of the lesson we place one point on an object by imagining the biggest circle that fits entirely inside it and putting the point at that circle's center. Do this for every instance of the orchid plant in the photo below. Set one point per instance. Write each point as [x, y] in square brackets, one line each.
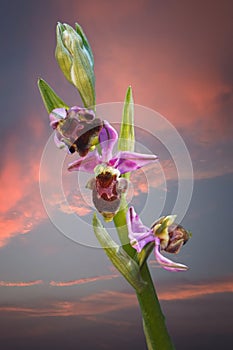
[77, 129]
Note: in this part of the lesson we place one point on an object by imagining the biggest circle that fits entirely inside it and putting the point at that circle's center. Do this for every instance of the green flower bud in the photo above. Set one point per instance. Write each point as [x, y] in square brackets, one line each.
[74, 56]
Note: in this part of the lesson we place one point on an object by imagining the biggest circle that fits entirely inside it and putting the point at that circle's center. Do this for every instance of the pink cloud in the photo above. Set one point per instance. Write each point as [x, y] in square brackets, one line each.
[108, 301]
[82, 281]
[20, 284]
[177, 72]
[21, 208]
[96, 304]
[190, 291]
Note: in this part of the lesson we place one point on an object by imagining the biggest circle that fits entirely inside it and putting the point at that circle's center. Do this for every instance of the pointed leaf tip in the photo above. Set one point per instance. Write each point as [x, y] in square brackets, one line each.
[127, 138]
[50, 98]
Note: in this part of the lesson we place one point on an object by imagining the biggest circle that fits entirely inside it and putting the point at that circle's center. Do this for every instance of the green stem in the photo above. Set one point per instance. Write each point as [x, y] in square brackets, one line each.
[157, 336]
[155, 330]
[156, 333]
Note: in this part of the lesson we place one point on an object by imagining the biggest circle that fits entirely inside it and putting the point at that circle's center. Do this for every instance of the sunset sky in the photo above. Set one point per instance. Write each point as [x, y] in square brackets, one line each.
[57, 287]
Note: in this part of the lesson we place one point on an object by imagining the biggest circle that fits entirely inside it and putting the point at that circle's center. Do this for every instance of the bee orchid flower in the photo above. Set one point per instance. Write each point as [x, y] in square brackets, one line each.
[77, 129]
[164, 233]
[107, 186]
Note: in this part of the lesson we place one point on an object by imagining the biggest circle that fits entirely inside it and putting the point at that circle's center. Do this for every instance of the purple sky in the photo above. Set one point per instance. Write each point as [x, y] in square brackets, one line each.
[177, 55]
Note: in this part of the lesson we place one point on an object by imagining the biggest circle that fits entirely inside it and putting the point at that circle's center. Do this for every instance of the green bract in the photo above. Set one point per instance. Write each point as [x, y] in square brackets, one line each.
[127, 139]
[120, 259]
[74, 56]
[50, 98]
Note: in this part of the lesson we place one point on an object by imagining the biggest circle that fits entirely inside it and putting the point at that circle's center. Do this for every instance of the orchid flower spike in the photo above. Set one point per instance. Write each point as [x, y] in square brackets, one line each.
[164, 233]
[77, 129]
[107, 186]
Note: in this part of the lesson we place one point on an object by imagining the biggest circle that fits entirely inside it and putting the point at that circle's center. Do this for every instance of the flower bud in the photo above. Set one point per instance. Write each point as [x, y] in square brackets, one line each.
[74, 56]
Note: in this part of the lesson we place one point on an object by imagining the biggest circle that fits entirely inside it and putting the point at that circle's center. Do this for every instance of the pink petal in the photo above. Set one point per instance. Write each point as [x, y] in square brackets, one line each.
[166, 263]
[139, 235]
[58, 142]
[126, 161]
[139, 245]
[56, 115]
[86, 164]
[107, 138]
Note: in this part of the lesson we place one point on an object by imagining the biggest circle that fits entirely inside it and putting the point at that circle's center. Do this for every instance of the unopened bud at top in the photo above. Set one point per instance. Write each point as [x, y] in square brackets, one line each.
[75, 58]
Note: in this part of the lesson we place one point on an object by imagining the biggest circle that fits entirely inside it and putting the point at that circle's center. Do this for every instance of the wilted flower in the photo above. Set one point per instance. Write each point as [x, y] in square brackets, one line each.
[108, 185]
[76, 128]
[164, 233]
[75, 58]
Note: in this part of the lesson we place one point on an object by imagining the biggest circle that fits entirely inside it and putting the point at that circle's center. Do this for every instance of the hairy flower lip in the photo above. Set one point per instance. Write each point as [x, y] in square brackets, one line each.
[140, 235]
[106, 186]
[175, 247]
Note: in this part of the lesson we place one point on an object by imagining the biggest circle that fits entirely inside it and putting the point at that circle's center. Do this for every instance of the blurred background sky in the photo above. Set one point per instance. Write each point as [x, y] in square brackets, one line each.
[177, 55]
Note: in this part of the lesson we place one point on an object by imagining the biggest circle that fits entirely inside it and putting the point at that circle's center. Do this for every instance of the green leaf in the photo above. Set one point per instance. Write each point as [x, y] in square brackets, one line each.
[125, 143]
[49, 97]
[119, 258]
[127, 139]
